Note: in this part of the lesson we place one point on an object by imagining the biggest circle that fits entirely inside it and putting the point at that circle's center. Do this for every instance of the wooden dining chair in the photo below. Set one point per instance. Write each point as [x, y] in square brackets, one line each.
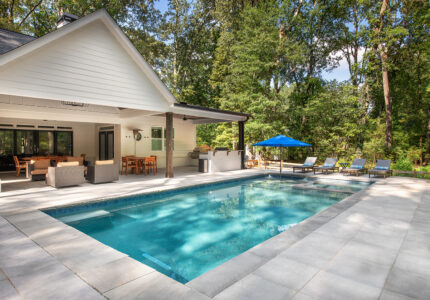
[156, 164]
[150, 165]
[19, 165]
[128, 162]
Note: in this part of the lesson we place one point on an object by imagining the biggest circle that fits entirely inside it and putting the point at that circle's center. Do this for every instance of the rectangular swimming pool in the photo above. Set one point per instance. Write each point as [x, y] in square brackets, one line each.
[185, 233]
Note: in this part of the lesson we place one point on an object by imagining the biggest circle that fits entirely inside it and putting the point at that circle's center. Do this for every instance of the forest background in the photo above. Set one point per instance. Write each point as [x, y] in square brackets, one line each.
[267, 58]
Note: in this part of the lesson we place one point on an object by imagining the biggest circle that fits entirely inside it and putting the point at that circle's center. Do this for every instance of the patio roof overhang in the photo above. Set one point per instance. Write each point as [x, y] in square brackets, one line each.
[203, 115]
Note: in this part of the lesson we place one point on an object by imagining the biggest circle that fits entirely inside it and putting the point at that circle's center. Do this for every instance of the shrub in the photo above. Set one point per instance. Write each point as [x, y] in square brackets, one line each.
[403, 164]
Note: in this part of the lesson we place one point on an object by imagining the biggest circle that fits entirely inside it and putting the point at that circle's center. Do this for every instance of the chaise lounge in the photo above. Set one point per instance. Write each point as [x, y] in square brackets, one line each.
[329, 165]
[357, 167]
[382, 168]
[307, 165]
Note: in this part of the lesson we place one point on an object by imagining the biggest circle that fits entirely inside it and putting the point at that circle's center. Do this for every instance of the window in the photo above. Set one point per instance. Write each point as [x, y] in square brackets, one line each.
[24, 142]
[46, 142]
[173, 139]
[6, 142]
[64, 143]
[156, 138]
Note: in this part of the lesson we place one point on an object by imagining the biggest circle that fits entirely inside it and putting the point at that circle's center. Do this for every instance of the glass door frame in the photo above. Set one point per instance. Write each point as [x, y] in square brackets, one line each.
[106, 144]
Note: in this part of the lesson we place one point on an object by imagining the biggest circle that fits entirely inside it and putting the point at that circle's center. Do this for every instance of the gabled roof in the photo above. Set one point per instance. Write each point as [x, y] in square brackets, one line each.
[17, 45]
[103, 16]
[10, 40]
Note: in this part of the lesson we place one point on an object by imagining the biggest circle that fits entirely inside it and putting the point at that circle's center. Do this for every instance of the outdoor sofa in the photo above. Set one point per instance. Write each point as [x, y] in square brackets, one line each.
[307, 165]
[357, 167]
[65, 174]
[103, 171]
[329, 165]
[382, 168]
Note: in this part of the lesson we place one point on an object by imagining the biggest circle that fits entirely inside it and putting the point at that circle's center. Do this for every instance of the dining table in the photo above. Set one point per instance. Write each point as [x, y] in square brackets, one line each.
[140, 161]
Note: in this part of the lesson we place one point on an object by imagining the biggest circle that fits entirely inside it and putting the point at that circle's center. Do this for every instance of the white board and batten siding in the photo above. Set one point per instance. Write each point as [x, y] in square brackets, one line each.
[87, 65]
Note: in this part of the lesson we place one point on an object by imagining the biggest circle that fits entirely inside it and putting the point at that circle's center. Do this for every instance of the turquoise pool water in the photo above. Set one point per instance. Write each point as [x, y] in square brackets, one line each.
[185, 233]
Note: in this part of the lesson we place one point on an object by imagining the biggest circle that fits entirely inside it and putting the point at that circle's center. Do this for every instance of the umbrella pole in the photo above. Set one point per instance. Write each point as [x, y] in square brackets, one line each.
[280, 161]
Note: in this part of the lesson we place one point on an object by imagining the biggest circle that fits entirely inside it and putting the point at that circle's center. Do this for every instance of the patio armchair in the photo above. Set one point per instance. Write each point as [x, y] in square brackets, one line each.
[329, 165]
[382, 168]
[356, 168]
[65, 174]
[103, 171]
[19, 165]
[307, 165]
[39, 169]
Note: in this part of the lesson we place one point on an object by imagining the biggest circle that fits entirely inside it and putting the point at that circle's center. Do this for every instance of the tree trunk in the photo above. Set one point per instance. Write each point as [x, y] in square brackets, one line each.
[388, 101]
[385, 80]
[428, 134]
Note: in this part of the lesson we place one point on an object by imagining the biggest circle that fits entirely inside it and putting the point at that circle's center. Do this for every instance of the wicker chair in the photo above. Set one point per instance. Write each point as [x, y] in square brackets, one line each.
[103, 171]
[65, 174]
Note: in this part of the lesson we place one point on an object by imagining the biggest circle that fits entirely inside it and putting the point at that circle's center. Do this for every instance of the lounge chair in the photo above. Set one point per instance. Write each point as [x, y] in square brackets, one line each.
[307, 165]
[329, 165]
[357, 167]
[382, 168]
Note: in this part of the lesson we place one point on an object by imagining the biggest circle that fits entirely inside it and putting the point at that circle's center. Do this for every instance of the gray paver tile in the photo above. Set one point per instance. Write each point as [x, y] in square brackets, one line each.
[408, 283]
[216, 280]
[372, 238]
[7, 291]
[153, 286]
[329, 286]
[360, 270]
[83, 253]
[53, 282]
[286, 272]
[416, 245]
[368, 252]
[315, 250]
[274, 246]
[387, 295]
[413, 263]
[116, 273]
[255, 287]
[302, 296]
[49, 234]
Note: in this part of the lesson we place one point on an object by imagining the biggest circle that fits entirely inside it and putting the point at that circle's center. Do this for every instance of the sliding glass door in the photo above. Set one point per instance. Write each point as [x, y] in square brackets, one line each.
[32, 143]
[106, 145]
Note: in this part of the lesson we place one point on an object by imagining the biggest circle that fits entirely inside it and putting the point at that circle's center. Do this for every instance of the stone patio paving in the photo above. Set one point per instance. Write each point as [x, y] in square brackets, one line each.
[374, 244]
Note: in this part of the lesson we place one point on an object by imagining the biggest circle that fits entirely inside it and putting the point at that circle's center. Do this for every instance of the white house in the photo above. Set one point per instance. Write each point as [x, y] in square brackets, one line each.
[84, 88]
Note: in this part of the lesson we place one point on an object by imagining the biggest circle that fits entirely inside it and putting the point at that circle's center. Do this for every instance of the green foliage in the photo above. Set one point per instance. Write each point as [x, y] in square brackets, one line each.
[403, 164]
[266, 58]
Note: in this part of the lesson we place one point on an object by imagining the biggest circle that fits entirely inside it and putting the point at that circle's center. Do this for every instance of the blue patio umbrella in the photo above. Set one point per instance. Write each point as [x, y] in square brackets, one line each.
[282, 141]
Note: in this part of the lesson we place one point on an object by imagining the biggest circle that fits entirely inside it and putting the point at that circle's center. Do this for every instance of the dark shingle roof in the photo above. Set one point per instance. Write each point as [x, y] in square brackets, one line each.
[10, 40]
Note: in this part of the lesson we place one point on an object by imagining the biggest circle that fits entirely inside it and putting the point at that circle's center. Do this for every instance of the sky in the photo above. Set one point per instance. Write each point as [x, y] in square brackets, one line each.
[341, 73]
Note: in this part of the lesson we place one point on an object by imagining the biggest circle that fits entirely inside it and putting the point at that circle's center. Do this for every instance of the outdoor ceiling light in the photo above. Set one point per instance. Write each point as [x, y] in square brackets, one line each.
[71, 103]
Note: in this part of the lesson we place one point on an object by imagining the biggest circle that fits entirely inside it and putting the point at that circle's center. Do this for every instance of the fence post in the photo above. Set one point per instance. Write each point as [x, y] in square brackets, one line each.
[415, 173]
